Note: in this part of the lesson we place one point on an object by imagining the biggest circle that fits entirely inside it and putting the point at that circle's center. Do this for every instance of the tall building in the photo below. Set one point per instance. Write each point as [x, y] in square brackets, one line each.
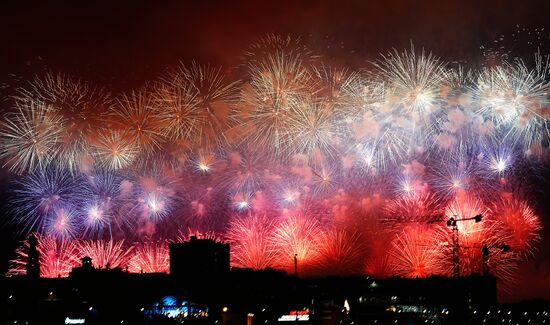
[33, 258]
[199, 258]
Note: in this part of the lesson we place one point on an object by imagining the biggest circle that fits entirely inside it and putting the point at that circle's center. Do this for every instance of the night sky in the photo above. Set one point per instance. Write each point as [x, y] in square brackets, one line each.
[122, 44]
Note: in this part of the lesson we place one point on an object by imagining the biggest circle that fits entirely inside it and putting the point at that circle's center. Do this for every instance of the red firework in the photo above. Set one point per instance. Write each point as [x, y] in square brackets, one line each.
[466, 206]
[377, 263]
[339, 252]
[185, 235]
[519, 222]
[57, 257]
[416, 206]
[473, 237]
[415, 253]
[150, 257]
[297, 237]
[251, 239]
[105, 253]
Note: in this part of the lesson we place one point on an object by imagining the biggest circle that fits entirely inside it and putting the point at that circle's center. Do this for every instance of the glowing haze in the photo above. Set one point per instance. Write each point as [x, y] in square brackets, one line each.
[351, 172]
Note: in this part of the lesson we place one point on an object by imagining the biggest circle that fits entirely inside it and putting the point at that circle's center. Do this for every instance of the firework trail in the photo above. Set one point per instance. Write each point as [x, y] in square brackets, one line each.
[157, 194]
[312, 130]
[180, 115]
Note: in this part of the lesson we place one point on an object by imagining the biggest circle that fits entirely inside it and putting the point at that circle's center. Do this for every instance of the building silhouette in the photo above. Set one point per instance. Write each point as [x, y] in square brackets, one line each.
[199, 258]
[202, 289]
[33, 258]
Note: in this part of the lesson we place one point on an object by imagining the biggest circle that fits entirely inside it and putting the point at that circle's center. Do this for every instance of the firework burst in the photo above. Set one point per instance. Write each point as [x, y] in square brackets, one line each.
[277, 86]
[57, 257]
[150, 257]
[296, 237]
[136, 118]
[29, 137]
[415, 207]
[81, 107]
[520, 223]
[100, 190]
[272, 43]
[114, 150]
[45, 196]
[105, 253]
[415, 253]
[415, 79]
[339, 251]
[199, 101]
[515, 97]
[251, 240]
